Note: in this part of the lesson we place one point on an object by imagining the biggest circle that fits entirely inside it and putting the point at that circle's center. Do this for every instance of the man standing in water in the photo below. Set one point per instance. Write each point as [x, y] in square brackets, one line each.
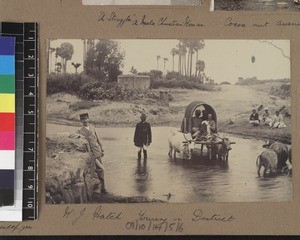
[142, 136]
[89, 133]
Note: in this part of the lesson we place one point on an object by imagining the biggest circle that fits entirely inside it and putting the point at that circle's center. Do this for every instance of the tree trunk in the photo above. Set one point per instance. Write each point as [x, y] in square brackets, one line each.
[65, 66]
[50, 62]
[184, 64]
[173, 63]
[179, 63]
[188, 64]
[191, 64]
[48, 49]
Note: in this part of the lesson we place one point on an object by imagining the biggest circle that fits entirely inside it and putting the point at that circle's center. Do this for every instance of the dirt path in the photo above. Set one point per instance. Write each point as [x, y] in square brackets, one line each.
[230, 101]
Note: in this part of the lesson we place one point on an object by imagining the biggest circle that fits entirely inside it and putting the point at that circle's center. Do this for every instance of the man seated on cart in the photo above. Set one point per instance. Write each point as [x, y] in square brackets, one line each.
[207, 130]
[196, 122]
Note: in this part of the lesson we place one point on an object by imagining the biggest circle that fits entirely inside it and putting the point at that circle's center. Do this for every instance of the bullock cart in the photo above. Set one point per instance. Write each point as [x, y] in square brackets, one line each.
[216, 146]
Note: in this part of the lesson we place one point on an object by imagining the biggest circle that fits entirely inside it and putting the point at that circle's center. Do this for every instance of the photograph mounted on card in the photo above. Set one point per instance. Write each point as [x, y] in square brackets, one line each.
[255, 5]
[144, 2]
[168, 121]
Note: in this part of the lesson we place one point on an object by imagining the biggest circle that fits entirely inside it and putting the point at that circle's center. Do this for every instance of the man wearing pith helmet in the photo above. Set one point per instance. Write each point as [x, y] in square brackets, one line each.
[142, 136]
[89, 133]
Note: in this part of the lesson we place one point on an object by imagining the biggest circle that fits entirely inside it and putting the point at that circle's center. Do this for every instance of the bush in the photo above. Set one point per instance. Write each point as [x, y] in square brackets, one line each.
[68, 83]
[89, 89]
[153, 74]
[284, 91]
[172, 75]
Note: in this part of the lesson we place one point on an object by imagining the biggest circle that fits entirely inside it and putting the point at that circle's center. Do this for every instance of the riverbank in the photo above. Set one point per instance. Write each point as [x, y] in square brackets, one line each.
[70, 178]
[233, 105]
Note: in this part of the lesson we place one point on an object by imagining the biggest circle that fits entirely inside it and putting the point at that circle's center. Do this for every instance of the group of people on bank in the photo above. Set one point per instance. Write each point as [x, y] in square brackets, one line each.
[275, 121]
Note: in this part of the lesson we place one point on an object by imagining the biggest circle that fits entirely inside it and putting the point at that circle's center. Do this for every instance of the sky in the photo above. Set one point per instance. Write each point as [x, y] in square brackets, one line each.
[225, 60]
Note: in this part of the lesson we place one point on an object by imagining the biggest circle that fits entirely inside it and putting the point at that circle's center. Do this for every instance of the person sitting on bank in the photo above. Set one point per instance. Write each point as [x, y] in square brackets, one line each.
[88, 132]
[266, 117]
[254, 118]
[277, 121]
[196, 121]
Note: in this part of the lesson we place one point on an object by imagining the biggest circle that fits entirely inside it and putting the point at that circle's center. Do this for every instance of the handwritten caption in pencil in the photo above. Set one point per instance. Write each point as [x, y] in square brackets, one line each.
[145, 221]
[144, 20]
[15, 228]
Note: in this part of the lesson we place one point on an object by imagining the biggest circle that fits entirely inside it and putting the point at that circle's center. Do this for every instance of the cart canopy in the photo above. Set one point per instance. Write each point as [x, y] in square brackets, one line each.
[186, 126]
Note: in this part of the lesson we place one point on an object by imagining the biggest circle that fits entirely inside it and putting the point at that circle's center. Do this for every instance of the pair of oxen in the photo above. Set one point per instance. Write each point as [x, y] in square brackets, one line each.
[276, 158]
[184, 144]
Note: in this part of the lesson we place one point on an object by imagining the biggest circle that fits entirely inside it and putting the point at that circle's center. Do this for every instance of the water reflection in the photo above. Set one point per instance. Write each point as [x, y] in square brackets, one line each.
[142, 176]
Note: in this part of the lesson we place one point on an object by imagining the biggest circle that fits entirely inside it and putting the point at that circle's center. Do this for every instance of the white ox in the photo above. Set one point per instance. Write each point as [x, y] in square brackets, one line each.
[180, 143]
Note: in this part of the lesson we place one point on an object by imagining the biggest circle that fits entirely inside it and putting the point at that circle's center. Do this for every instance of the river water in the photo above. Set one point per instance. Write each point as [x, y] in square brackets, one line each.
[193, 180]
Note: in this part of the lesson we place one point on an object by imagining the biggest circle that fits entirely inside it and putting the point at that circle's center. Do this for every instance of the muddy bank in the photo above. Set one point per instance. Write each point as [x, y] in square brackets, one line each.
[71, 177]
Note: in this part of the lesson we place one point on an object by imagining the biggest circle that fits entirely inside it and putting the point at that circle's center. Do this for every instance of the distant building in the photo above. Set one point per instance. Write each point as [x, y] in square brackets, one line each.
[134, 81]
[186, 2]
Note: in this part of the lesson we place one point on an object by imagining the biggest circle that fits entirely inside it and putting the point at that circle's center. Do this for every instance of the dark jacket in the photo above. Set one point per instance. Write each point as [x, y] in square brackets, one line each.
[142, 134]
[254, 117]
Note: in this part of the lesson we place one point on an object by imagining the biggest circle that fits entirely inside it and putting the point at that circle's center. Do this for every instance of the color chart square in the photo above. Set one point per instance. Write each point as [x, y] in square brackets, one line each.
[7, 122]
[7, 46]
[7, 140]
[7, 84]
[7, 159]
[7, 65]
[7, 179]
[7, 103]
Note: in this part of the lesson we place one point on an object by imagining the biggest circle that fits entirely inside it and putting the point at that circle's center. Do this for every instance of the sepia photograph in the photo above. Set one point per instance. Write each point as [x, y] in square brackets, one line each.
[168, 121]
[144, 2]
[255, 5]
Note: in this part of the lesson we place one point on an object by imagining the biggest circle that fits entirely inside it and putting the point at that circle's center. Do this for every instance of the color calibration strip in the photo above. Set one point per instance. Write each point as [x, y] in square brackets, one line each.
[16, 30]
[27, 62]
[7, 121]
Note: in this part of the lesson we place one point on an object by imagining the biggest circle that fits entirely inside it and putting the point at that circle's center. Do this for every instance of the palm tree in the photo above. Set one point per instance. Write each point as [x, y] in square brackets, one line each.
[174, 52]
[192, 45]
[200, 67]
[157, 58]
[51, 50]
[182, 54]
[165, 60]
[183, 45]
[76, 66]
[65, 51]
[179, 58]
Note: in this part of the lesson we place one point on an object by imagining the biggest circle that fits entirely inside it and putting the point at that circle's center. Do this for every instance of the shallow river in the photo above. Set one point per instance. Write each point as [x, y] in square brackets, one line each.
[186, 180]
